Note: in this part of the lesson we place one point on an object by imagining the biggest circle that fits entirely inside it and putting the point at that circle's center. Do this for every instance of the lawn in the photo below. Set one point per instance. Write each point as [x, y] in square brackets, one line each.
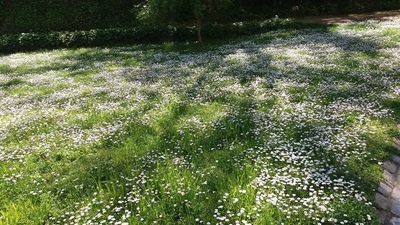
[287, 127]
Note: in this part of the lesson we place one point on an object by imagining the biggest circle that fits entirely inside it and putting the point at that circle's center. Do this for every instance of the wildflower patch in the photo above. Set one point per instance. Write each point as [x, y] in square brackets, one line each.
[274, 129]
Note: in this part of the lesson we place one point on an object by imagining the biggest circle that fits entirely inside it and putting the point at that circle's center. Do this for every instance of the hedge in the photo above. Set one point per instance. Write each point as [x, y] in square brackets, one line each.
[18, 16]
[139, 35]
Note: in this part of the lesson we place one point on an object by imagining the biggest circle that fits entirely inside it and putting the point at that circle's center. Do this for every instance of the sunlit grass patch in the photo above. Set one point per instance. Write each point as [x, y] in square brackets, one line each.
[5, 69]
[284, 127]
[362, 26]
[27, 89]
[393, 34]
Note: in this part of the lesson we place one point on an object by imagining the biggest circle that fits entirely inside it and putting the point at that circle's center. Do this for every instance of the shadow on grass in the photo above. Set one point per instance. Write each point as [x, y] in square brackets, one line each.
[150, 149]
[125, 56]
[201, 148]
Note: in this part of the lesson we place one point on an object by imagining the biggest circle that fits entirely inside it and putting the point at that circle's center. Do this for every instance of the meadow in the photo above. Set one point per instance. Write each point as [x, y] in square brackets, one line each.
[286, 127]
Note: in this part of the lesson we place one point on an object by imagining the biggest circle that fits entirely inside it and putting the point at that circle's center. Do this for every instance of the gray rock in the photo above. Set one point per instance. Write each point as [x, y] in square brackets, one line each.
[395, 209]
[394, 221]
[382, 216]
[396, 146]
[382, 201]
[385, 189]
[397, 177]
[389, 166]
[389, 177]
[396, 141]
[396, 159]
[396, 194]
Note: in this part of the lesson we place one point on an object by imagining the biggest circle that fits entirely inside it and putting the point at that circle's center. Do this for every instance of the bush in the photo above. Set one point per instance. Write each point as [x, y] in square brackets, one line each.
[100, 37]
[23, 16]
[19, 16]
[217, 31]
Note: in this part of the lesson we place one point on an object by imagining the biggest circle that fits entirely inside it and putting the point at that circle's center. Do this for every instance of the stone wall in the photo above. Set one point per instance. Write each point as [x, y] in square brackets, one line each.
[387, 197]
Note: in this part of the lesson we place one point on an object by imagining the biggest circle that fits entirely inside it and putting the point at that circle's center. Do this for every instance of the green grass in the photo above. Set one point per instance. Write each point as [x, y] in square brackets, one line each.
[285, 127]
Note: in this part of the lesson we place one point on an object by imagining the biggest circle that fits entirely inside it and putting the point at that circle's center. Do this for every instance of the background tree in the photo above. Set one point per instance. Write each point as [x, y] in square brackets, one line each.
[174, 12]
[24, 16]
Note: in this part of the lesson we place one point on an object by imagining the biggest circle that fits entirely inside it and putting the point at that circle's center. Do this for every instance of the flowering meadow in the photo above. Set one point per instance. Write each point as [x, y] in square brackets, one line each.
[287, 127]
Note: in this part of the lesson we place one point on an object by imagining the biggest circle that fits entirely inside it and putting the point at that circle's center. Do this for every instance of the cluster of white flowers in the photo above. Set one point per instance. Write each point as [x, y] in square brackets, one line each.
[303, 91]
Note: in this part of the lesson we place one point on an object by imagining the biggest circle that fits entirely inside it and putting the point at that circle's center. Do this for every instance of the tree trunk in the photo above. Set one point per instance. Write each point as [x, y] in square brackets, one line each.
[198, 25]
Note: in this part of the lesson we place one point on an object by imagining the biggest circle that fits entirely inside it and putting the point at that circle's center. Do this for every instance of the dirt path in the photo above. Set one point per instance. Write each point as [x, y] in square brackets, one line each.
[382, 16]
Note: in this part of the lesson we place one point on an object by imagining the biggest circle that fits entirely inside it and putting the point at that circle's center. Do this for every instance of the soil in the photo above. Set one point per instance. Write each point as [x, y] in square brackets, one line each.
[381, 16]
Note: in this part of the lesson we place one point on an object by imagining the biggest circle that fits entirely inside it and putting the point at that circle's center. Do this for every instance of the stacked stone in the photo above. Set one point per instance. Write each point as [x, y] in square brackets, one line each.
[388, 195]
[396, 143]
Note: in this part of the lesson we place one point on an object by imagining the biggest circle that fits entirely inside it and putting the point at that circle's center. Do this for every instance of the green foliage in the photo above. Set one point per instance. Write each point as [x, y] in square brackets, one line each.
[99, 37]
[22, 16]
[39, 16]
[143, 34]
[355, 212]
[161, 12]
[178, 11]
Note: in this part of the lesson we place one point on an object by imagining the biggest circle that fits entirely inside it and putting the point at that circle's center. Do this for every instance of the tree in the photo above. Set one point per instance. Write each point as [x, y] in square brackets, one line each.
[164, 12]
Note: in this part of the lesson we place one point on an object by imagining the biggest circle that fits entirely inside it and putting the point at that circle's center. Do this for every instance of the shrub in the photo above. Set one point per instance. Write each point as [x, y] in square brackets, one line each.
[145, 34]
[41, 16]
[17, 16]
